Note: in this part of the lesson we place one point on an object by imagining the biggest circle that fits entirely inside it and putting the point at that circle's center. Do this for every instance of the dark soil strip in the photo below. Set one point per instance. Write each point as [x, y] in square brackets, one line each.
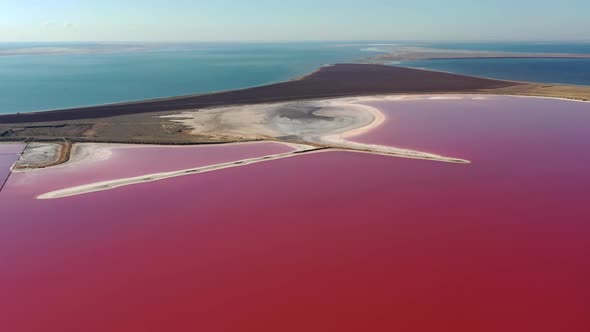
[334, 81]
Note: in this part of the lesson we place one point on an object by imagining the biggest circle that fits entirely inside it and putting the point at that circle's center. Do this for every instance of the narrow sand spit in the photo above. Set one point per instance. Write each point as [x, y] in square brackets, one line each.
[112, 184]
[82, 154]
[308, 126]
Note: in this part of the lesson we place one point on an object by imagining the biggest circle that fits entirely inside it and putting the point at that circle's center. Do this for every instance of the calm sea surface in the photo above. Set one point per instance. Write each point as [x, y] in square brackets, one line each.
[87, 74]
[41, 81]
[564, 71]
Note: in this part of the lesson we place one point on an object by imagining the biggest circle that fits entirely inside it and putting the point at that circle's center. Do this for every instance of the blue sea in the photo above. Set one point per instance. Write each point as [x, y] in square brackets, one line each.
[562, 71]
[88, 74]
[42, 76]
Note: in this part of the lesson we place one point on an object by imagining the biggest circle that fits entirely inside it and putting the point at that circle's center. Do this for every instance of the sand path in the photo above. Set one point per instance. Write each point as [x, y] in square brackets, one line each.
[310, 126]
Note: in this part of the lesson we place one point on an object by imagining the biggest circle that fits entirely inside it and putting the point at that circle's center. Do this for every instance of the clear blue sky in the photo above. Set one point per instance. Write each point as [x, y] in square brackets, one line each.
[174, 20]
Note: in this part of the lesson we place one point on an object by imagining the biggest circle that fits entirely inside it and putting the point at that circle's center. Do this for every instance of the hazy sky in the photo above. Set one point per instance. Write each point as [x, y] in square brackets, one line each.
[174, 20]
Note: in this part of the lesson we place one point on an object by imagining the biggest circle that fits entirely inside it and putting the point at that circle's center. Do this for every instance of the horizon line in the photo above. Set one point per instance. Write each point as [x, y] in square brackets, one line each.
[308, 41]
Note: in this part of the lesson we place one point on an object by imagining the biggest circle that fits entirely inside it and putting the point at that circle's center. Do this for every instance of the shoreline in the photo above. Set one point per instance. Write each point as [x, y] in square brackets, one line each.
[319, 70]
[167, 98]
[152, 121]
[116, 183]
[327, 123]
[331, 142]
[356, 79]
[76, 155]
[336, 141]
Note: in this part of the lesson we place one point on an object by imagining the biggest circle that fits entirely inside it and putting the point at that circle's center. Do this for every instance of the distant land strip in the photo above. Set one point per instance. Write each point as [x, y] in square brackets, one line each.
[423, 53]
[153, 121]
[339, 80]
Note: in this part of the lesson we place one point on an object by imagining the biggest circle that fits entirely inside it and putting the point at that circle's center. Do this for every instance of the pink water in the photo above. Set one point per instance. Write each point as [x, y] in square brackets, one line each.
[332, 241]
[123, 161]
[11, 148]
[9, 153]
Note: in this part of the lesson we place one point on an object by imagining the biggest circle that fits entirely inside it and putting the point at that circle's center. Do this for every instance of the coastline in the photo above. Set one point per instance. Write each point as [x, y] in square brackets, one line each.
[354, 79]
[113, 184]
[151, 121]
[335, 142]
[324, 138]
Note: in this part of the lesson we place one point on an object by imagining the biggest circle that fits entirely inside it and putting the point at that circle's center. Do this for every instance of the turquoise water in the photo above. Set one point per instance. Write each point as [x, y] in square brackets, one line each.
[41, 82]
[90, 73]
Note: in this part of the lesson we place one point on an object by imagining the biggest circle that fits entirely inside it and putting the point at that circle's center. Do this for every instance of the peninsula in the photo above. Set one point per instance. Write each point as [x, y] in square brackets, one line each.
[318, 110]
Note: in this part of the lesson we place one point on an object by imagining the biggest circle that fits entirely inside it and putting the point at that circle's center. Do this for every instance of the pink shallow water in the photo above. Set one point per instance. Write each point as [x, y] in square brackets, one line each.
[11, 148]
[332, 241]
[6, 161]
[123, 161]
[474, 128]
[9, 154]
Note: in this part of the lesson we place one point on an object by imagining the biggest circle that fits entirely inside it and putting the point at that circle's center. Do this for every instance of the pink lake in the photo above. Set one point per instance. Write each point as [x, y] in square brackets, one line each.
[9, 154]
[332, 241]
[122, 161]
[11, 148]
